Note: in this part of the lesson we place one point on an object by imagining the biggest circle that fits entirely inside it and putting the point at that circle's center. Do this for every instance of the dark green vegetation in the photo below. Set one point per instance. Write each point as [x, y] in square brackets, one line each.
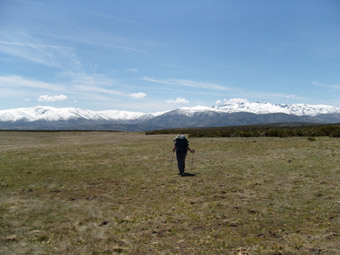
[277, 130]
[116, 193]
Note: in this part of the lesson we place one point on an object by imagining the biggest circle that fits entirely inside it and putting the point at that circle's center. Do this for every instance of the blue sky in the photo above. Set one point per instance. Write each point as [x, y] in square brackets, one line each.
[156, 55]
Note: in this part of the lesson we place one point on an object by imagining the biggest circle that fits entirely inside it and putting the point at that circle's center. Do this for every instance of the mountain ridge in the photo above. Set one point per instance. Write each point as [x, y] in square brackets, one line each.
[232, 113]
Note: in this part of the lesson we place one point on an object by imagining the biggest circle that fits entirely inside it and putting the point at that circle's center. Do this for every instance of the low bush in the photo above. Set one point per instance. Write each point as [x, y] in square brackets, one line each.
[288, 130]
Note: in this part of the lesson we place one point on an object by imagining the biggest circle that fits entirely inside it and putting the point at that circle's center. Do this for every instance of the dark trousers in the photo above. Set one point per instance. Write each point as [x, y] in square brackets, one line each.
[181, 161]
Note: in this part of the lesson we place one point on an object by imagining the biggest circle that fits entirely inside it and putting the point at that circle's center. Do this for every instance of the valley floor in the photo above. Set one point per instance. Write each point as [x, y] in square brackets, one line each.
[119, 193]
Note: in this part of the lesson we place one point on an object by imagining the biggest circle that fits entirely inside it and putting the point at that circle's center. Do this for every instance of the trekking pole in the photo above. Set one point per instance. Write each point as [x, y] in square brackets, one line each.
[192, 160]
[172, 159]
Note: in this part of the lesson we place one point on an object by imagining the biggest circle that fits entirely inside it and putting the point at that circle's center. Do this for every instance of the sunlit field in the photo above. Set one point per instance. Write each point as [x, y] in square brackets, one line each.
[120, 193]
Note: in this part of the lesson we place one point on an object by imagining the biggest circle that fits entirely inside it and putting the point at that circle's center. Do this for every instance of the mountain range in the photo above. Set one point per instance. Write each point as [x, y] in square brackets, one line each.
[233, 112]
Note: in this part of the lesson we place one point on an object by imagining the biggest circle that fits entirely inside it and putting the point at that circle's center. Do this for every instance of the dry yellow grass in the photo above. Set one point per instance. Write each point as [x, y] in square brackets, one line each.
[116, 193]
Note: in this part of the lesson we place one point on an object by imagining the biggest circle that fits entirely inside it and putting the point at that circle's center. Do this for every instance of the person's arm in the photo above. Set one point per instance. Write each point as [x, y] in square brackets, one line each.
[173, 150]
[191, 150]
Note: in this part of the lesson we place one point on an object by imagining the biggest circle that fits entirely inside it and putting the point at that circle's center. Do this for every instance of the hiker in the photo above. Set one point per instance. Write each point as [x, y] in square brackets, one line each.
[181, 147]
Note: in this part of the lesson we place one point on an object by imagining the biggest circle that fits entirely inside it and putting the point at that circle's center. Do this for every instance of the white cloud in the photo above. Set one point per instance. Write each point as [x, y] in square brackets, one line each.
[235, 101]
[178, 100]
[46, 98]
[290, 96]
[138, 95]
[218, 102]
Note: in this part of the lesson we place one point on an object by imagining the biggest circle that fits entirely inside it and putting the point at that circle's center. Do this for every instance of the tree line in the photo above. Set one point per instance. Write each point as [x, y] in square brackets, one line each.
[288, 130]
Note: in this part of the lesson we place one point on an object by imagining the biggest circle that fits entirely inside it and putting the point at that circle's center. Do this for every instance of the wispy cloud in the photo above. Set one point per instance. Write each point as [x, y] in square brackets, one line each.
[269, 96]
[325, 85]
[132, 70]
[33, 49]
[96, 83]
[216, 89]
[265, 96]
[82, 88]
[81, 78]
[187, 83]
[18, 81]
[85, 86]
[93, 42]
[178, 100]
[47, 98]
[120, 20]
[31, 45]
[12, 94]
[248, 71]
[23, 2]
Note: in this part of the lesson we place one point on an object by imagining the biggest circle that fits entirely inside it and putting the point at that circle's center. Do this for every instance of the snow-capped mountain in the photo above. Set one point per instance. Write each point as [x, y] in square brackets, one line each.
[242, 105]
[48, 113]
[231, 112]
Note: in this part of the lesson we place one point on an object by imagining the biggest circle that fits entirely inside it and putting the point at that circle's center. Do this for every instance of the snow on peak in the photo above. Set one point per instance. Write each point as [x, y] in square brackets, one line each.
[54, 114]
[228, 106]
[190, 111]
[243, 105]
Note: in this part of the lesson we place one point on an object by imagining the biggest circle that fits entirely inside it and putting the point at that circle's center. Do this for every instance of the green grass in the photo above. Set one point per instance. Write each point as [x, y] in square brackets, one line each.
[117, 193]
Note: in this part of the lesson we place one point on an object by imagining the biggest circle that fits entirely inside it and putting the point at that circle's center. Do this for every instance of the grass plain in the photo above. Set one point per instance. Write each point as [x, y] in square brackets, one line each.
[119, 193]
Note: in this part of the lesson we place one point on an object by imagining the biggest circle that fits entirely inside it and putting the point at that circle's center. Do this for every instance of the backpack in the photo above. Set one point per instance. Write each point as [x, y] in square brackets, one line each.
[181, 144]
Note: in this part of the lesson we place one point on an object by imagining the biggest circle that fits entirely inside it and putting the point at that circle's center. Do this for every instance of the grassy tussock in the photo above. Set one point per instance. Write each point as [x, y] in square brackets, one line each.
[117, 193]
